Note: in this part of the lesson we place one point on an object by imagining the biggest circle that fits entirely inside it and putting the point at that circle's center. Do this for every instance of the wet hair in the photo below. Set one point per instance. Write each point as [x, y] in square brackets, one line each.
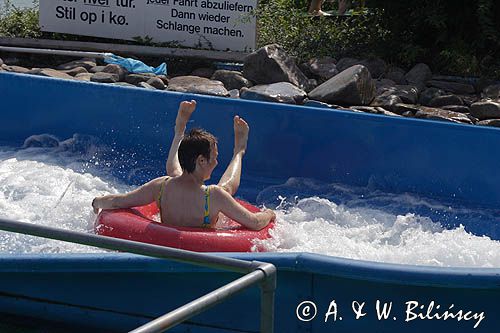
[197, 142]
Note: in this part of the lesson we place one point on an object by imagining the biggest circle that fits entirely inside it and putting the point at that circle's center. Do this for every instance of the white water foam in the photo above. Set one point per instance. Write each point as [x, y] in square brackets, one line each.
[319, 225]
[56, 189]
[45, 189]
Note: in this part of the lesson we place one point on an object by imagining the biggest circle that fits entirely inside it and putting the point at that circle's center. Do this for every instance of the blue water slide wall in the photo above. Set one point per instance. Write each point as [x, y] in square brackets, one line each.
[392, 154]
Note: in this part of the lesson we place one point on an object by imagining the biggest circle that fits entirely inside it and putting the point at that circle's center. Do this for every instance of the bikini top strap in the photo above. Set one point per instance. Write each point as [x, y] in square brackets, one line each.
[206, 215]
[162, 189]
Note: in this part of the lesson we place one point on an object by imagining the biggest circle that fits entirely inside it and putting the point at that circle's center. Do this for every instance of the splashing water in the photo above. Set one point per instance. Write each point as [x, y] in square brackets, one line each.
[54, 187]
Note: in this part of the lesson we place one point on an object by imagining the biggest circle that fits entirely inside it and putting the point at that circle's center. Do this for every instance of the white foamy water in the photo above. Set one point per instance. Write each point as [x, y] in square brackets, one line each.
[46, 190]
[54, 188]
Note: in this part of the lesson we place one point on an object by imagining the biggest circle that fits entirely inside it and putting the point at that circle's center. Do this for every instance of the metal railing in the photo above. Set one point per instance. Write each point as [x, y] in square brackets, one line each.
[255, 272]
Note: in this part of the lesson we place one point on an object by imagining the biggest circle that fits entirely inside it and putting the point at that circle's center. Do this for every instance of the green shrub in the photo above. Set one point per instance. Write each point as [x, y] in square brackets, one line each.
[19, 22]
[287, 24]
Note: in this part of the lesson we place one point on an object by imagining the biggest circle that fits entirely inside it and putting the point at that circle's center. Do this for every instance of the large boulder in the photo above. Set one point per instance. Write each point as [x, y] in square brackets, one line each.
[354, 86]
[485, 110]
[197, 85]
[322, 68]
[270, 64]
[281, 92]
[419, 75]
[376, 66]
[397, 75]
[231, 79]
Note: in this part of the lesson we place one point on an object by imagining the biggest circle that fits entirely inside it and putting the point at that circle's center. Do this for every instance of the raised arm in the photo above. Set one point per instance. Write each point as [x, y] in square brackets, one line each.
[143, 195]
[185, 110]
[227, 205]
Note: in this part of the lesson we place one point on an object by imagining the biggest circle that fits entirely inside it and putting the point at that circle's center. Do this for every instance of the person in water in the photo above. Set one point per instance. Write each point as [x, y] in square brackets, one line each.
[182, 197]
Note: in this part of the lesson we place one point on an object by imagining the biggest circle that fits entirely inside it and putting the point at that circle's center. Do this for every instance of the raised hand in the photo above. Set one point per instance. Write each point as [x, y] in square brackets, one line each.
[185, 110]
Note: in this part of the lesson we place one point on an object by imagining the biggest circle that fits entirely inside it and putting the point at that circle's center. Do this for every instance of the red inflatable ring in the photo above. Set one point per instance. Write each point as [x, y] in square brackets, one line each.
[138, 224]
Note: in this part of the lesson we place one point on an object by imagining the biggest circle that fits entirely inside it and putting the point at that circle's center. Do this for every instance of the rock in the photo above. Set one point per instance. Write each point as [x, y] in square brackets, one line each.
[164, 79]
[443, 115]
[376, 66]
[317, 104]
[445, 100]
[346, 63]
[453, 87]
[354, 86]
[83, 76]
[407, 110]
[491, 91]
[419, 75]
[11, 61]
[41, 141]
[203, 72]
[270, 64]
[1, 62]
[97, 69]
[49, 72]
[457, 108]
[485, 110]
[15, 69]
[234, 93]
[197, 85]
[386, 101]
[146, 85]
[87, 63]
[382, 85]
[397, 75]
[374, 110]
[123, 84]
[429, 94]
[135, 79]
[116, 69]
[408, 94]
[102, 77]
[231, 79]
[489, 122]
[281, 92]
[75, 71]
[322, 68]
[157, 83]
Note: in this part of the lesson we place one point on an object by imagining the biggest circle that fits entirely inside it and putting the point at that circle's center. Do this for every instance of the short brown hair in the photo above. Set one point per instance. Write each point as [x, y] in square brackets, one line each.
[197, 142]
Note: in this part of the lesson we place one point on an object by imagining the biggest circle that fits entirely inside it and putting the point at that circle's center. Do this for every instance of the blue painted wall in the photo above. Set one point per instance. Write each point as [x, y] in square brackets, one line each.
[431, 158]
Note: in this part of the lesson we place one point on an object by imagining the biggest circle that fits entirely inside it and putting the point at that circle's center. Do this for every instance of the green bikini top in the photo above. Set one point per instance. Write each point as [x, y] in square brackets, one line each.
[206, 214]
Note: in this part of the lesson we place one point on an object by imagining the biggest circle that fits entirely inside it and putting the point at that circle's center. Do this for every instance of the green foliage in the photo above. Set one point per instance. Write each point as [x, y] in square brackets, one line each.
[19, 22]
[304, 37]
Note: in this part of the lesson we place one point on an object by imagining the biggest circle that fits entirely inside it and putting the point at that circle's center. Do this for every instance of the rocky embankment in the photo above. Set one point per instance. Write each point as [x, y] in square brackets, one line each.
[358, 85]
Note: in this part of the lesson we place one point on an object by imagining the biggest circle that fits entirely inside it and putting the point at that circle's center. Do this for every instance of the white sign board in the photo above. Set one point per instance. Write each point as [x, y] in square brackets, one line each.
[215, 24]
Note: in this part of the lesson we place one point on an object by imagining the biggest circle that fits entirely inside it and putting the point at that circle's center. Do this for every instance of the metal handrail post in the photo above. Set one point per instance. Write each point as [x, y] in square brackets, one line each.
[268, 289]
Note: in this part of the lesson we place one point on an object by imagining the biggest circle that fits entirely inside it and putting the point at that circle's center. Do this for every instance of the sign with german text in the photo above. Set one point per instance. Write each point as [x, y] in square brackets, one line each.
[212, 24]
